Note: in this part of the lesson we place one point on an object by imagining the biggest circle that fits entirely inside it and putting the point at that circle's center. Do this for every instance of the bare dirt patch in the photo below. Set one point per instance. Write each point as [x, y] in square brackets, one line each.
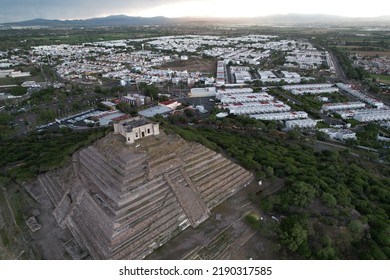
[373, 53]
[193, 64]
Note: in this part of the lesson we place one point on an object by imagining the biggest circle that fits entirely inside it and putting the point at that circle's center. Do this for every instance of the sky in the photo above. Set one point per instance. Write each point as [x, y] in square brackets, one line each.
[18, 10]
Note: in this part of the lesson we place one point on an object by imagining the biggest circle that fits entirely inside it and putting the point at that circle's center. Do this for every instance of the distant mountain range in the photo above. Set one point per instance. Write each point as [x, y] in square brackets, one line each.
[123, 20]
[116, 20]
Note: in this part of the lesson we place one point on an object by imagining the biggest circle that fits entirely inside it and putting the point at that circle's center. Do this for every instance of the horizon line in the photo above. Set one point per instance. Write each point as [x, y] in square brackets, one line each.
[205, 17]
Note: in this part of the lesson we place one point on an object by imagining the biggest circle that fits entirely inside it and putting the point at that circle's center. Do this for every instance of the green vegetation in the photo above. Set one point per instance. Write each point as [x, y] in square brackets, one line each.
[26, 38]
[27, 156]
[382, 78]
[127, 108]
[253, 220]
[149, 90]
[18, 90]
[277, 58]
[4, 237]
[35, 76]
[5, 125]
[356, 73]
[336, 205]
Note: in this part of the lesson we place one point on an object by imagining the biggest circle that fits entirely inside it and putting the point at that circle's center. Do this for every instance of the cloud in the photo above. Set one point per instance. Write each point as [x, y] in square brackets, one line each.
[17, 10]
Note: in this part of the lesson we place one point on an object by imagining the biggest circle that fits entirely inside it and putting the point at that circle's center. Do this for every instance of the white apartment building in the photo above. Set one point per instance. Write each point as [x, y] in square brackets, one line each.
[343, 106]
[280, 116]
[13, 74]
[346, 114]
[242, 77]
[266, 75]
[244, 110]
[361, 96]
[290, 75]
[221, 73]
[308, 58]
[243, 98]
[339, 134]
[203, 92]
[234, 90]
[306, 123]
[310, 89]
[136, 99]
[372, 115]
[382, 138]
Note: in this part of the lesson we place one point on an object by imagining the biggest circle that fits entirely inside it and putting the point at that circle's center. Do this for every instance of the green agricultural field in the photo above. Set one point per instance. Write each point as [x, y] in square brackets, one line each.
[18, 81]
[382, 78]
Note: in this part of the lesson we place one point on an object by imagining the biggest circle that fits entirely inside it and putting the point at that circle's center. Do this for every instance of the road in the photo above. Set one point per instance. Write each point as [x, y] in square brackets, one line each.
[290, 98]
[339, 71]
[338, 146]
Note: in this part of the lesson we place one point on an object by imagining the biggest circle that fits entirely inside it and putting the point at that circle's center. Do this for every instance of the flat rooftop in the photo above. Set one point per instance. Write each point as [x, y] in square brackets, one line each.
[151, 112]
[129, 125]
[105, 120]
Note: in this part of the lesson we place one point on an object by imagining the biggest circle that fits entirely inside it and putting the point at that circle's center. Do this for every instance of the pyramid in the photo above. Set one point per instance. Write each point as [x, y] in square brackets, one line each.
[123, 201]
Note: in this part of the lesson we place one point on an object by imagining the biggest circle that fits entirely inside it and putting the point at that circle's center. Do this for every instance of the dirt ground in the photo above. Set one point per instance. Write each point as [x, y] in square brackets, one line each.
[193, 64]
[48, 242]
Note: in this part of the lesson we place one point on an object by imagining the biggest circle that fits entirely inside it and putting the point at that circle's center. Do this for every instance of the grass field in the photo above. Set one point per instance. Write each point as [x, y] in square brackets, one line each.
[382, 78]
[19, 81]
[356, 49]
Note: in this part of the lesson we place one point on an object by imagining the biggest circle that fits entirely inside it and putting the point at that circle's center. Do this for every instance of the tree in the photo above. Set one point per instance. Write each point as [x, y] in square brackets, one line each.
[117, 89]
[257, 83]
[327, 253]
[189, 113]
[269, 171]
[98, 89]
[294, 134]
[295, 237]
[374, 87]
[46, 116]
[149, 90]
[356, 228]
[322, 136]
[266, 204]
[17, 91]
[300, 194]
[329, 199]
[127, 108]
[5, 118]
[102, 107]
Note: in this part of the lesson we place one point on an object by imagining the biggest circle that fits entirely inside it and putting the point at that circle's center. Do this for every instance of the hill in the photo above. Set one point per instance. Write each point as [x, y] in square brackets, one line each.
[124, 20]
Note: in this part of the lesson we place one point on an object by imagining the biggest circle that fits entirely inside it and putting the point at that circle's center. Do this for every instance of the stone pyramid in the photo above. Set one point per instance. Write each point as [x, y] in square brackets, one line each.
[124, 201]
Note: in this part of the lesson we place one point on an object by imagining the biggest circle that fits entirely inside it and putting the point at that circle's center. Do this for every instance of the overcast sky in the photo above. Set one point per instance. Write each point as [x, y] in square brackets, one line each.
[17, 10]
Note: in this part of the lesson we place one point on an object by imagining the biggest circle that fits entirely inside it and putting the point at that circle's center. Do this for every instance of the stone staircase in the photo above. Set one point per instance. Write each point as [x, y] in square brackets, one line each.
[188, 196]
[51, 187]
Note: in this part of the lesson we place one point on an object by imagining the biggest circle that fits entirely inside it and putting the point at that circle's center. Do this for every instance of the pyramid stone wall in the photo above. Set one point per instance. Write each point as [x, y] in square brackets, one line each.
[123, 201]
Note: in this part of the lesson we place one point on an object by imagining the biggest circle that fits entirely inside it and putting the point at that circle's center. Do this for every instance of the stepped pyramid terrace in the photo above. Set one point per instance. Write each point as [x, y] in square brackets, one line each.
[123, 200]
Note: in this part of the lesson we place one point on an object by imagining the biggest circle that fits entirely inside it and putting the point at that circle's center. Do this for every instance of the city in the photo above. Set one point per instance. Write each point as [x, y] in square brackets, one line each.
[169, 141]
